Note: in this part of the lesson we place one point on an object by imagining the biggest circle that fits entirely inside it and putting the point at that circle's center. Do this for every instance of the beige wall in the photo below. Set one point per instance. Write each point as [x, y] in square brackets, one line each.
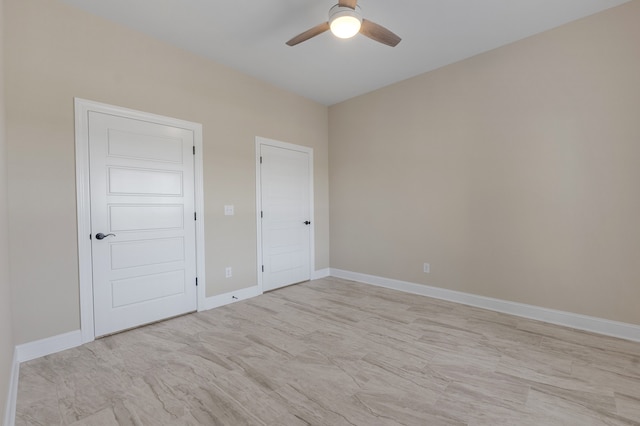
[55, 53]
[6, 337]
[515, 173]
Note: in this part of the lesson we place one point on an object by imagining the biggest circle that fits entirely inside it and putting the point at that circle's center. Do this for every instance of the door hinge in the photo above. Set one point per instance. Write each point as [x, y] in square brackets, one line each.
[261, 213]
[194, 216]
[196, 281]
[89, 236]
[261, 159]
[194, 150]
[262, 268]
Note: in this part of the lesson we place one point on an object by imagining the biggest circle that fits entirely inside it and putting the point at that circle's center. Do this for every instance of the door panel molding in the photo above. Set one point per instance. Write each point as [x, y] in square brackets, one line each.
[82, 109]
[260, 141]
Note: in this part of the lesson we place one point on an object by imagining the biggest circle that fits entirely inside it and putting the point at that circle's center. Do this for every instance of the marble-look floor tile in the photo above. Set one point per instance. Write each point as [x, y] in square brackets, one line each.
[106, 417]
[335, 352]
[564, 409]
[628, 407]
[615, 362]
[591, 340]
[604, 379]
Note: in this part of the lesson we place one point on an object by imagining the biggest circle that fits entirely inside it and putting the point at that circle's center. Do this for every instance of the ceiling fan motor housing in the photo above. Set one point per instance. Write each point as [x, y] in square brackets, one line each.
[338, 11]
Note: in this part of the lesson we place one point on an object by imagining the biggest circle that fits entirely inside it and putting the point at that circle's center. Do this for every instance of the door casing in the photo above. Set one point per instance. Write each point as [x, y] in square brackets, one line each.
[82, 108]
[284, 145]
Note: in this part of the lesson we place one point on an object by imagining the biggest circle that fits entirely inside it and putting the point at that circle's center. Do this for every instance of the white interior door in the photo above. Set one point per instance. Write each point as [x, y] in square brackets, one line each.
[285, 177]
[142, 200]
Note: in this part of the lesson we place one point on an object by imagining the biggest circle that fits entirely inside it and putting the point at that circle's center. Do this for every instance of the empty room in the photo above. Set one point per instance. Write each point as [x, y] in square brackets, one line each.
[319, 212]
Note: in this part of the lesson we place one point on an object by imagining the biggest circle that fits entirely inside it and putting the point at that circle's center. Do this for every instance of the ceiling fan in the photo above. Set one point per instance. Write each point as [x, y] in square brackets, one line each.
[345, 21]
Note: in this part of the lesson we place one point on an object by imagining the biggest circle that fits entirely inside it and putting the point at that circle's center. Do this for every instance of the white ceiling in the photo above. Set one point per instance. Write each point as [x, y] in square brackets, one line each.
[250, 35]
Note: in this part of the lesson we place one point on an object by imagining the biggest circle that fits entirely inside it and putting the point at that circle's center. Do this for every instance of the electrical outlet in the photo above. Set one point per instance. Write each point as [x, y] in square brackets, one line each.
[228, 210]
[426, 268]
[228, 272]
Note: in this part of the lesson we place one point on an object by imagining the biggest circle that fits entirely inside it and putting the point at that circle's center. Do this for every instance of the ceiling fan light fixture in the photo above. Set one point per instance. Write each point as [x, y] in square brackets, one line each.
[344, 21]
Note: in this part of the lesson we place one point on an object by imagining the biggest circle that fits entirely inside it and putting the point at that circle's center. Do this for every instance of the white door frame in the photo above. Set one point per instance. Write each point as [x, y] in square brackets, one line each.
[85, 269]
[312, 251]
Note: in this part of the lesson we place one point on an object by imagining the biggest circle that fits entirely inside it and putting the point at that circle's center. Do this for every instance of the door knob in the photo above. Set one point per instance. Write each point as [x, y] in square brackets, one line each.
[101, 236]
[306, 222]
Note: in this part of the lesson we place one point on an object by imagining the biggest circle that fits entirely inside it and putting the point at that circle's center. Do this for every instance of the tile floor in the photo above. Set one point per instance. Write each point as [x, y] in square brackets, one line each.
[335, 352]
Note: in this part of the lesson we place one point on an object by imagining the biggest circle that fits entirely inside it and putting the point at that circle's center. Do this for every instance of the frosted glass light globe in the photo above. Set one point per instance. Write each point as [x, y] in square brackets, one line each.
[345, 26]
[344, 21]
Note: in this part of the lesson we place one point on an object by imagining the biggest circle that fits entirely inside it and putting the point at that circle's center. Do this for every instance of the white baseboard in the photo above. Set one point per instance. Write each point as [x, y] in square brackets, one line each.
[48, 346]
[61, 342]
[230, 297]
[12, 397]
[249, 292]
[321, 273]
[567, 319]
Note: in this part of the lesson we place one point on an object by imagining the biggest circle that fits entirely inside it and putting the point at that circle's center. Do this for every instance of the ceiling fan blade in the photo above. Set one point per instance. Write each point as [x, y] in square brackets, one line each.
[379, 33]
[317, 30]
[348, 3]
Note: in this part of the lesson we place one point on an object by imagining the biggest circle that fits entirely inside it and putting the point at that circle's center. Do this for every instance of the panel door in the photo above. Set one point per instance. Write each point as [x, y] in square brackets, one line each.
[142, 201]
[286, 234]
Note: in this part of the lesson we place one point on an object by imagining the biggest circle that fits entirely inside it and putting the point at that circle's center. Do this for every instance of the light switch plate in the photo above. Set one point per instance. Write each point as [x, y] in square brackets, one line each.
[228, 210]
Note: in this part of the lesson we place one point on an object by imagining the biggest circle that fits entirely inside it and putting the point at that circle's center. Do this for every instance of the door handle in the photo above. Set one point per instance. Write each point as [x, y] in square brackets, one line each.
[306, 222]
[101, 236]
